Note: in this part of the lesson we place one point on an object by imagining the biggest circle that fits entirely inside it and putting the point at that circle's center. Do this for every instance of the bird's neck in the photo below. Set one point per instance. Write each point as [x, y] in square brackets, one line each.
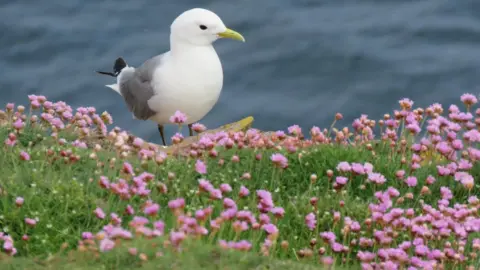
[180, 48]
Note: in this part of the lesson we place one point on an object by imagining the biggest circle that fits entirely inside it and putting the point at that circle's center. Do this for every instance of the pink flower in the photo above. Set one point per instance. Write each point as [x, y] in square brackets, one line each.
[472, 135]
[376, 178]
[159, 225]
[468, 99]
[24, 156]
[205, 185]
[152, 209]
[244, 191]
[270, 229]
[411, 181]
[177, 203]
[278, 212]
[129, 210]
[177, 237]
[99, 213]
[465, 178]
[106, 245]
[177, 138]
[225, 188]
[199, 128]
[327, 260]
[311, 221]
[295, 130]
[328, 236]
[31, 222]
[200, 167]
[344, 167]
[430, 180]
[341, 180]
[405, 103]
[8, 246]
[138, 142]
[358, 168]
[19, 201]
[127, 168]
[87, 235]
[337, 247]
[18, 124]
[279, 160]
[178, 118]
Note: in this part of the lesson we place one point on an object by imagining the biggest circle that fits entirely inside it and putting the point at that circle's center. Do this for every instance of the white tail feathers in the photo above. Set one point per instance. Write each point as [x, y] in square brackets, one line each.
[114, 87]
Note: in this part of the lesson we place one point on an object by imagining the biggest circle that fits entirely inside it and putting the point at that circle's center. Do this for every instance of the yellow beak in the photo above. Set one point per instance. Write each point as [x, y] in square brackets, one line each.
[229, 33]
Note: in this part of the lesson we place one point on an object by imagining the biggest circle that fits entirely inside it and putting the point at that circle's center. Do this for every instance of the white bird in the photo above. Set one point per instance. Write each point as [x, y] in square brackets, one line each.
[188, 78]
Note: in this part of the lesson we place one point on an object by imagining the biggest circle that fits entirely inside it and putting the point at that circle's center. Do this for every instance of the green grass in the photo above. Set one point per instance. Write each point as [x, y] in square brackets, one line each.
[64, 194]
[194, 257]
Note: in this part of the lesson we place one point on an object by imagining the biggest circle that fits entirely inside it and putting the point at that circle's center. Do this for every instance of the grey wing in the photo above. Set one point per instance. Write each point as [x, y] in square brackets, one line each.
[136, 89]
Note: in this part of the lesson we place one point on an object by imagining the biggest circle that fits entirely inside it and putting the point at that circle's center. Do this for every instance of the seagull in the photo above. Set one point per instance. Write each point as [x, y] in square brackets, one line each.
[187, 78]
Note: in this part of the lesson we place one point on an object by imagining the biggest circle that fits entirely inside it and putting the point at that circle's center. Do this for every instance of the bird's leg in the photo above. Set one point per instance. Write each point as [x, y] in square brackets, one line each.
[161, 129]
[190, 129]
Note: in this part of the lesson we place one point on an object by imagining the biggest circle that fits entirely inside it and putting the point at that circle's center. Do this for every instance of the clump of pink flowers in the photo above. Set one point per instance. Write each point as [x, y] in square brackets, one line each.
[411, 219]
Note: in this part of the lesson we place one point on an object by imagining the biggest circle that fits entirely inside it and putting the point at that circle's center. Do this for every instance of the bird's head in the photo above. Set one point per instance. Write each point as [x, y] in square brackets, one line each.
[201, 27]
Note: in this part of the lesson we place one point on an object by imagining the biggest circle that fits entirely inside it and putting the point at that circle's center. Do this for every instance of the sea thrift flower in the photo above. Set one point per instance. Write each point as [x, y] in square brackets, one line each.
[200, 167]
[99, 213]
[327, 260]
[243, 192]
[177, 138]
[24, 156]
[106, 245]
[294, 130]
[340, 180]
[177, 203]
[430, 180]
[279, 160]
[328, 237]
[152, 209]
[344, 167]
[465, 178]
[311, 221]
[137, 142]
[177, 237]
[31, 222]
[87, 235]
[468, 99]
[127, 168]
[199, 128]
[278, 212]
[178, 118]
[270, 229]
[18, 125]
[129, 210]
[411, 181]
[376, 178]
[358, 168]
[19, 201]
[225, 188]
[205, 185]
[159, 226]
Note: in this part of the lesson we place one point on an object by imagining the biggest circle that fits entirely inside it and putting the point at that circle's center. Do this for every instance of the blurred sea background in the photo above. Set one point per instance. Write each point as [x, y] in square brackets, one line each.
[304, 60]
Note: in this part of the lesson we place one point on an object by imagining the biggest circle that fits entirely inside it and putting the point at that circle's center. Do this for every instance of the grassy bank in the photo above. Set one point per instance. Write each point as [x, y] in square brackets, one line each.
[75, 193]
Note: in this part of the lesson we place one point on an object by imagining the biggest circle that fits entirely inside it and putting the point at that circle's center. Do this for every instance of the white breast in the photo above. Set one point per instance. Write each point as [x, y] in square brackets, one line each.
[190, 83]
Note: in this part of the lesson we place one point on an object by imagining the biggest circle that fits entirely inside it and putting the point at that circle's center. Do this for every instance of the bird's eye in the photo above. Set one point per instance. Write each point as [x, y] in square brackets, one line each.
[203, 27]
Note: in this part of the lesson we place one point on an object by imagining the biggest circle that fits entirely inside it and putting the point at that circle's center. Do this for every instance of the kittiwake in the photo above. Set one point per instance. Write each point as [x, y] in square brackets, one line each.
[188, 78]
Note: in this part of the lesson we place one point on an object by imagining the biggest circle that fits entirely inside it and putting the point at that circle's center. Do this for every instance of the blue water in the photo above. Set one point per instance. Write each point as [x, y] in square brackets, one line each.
[304, 60]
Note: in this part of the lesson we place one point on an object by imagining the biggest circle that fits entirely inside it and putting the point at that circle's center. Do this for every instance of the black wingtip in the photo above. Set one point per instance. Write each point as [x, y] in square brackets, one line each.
[106, 73]
[119, 65]
[117, 68]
